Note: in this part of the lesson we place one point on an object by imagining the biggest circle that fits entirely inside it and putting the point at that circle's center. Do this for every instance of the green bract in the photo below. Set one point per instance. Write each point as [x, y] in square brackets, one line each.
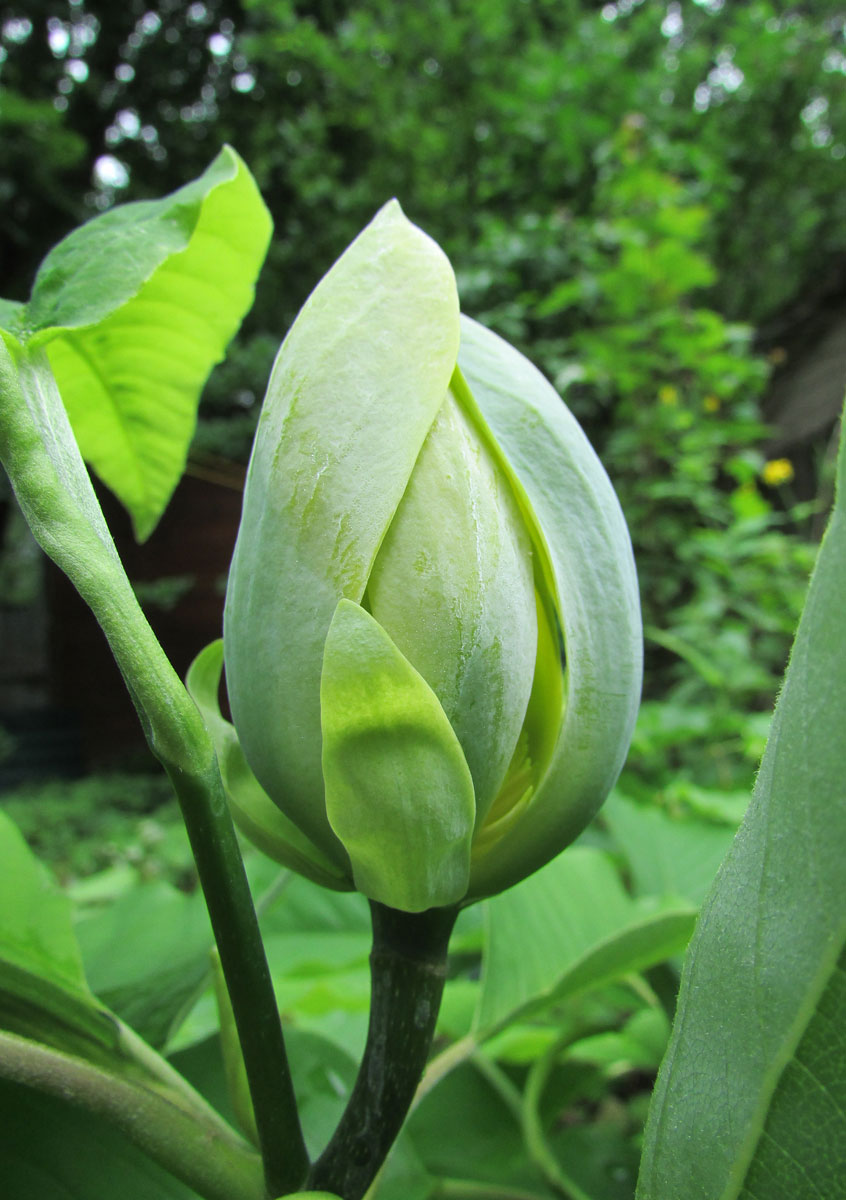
[432, 631]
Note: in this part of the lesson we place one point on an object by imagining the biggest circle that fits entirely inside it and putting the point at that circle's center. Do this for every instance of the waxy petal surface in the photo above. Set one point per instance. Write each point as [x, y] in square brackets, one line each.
[399, 794]
[354, 391]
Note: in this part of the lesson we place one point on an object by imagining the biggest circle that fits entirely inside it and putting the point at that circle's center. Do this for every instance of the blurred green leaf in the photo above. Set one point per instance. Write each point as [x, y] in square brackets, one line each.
[466, 1130]
[37, 931]
[147, 955]
[318, 945]
[667, 855]
[751, 1098]
[43, 992]
[52, 1151]
[568, 927]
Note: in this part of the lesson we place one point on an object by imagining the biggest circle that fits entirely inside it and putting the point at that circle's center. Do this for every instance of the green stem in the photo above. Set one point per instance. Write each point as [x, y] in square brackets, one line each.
[244, 964]
[43, 463]
[210, 1158]
[408, 971]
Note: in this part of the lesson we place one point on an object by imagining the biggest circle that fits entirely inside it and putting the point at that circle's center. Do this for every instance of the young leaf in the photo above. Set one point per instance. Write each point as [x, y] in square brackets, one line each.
[134, 309]
[751, 1098]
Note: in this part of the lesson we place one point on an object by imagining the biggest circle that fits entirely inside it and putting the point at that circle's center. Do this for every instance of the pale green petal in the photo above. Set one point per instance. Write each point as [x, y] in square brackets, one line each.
[355, 389]
[453, 587]
[597, 601]
[399, 794]
[254, 813]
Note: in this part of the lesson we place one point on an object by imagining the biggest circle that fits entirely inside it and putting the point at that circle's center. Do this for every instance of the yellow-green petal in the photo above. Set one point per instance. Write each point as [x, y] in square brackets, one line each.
[399, 793]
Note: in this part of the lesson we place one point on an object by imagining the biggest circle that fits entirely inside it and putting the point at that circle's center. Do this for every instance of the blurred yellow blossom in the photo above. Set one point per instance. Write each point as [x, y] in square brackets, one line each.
[777, 471]
[668, 395]
[711, 404]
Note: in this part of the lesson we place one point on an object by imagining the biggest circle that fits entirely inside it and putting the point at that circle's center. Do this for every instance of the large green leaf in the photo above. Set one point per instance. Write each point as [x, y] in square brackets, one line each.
[134, 309]
[43, 992]
[52, 1151]
[751, 1098]
[466, 1131]
[147, 955]
[58, 1038]
[568, 927]
[36, 930]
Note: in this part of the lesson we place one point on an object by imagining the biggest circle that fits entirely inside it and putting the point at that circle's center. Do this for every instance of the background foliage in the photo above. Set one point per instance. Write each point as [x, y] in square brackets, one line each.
[626, 191]
[634, 193]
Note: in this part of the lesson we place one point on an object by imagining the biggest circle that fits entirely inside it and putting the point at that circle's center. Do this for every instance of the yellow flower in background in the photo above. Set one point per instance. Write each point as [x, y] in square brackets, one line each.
[668, 395]
[777, 471]
[711, 404]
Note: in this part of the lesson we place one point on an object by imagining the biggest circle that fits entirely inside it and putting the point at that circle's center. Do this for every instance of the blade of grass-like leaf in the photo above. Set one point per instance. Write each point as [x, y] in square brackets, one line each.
[751, 1098]
[135, 308]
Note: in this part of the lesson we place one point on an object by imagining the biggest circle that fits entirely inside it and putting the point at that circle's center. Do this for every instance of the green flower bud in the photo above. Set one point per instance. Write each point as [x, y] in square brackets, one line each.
[432, 632]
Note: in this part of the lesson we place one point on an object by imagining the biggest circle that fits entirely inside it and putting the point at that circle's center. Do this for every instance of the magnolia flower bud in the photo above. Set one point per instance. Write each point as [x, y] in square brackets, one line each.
[432, 632]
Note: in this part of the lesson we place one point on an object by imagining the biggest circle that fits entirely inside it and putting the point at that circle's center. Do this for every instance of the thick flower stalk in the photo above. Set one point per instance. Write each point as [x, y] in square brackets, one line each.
[432, 632]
